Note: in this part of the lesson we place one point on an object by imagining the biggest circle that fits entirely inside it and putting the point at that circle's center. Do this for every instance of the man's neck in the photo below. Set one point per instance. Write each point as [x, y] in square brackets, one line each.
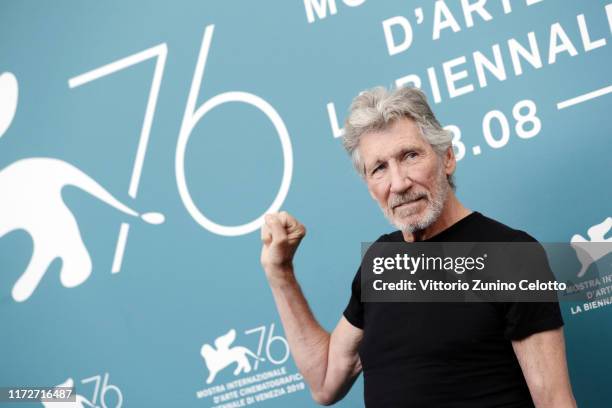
[452, 212]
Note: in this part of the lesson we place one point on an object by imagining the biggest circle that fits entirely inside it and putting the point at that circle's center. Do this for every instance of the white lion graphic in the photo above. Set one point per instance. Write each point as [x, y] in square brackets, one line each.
[9, 95]
[223, 356]
[32, 201]
[587, 254]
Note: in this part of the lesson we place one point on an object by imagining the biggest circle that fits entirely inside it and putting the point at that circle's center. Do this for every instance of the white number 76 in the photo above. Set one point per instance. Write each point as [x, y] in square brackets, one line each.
[190, 118]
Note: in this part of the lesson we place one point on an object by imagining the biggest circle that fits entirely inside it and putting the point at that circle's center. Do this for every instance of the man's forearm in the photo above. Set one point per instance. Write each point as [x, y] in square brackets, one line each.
[553, 399]
[542, 359]
[308, 341]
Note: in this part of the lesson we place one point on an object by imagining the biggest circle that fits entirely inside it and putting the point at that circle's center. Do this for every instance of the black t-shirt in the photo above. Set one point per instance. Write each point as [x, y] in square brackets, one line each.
[448, 354]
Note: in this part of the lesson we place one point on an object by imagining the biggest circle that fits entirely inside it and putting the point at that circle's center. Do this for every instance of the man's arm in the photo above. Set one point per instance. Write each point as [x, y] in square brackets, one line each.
[542, 359]
[329, 363]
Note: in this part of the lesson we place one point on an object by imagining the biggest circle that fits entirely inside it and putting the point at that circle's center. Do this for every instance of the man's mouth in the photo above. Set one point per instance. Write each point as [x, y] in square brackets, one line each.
[407, 203]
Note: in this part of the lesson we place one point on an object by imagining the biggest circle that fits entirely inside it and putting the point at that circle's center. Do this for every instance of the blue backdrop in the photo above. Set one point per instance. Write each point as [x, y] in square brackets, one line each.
[175, 126]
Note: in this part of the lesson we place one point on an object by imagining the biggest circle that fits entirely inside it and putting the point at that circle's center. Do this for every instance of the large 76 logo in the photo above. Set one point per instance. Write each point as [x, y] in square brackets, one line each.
[191, 118]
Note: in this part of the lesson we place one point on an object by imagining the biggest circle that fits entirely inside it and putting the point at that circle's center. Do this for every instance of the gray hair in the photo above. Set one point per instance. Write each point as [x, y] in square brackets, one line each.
[377, 108]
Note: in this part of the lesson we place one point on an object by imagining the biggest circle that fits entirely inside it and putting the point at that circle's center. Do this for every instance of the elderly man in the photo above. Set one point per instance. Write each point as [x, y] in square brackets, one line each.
[417, 354]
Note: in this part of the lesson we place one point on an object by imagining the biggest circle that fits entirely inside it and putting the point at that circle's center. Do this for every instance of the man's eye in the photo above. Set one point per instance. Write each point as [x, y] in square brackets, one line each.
[378, 168]
[411, 155]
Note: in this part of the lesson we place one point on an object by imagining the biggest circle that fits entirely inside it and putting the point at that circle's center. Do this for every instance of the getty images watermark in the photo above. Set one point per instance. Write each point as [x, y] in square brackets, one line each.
[483, 271]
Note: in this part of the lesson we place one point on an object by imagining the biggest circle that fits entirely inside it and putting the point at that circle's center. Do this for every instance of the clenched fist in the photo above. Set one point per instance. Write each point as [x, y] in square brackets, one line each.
[281, 234]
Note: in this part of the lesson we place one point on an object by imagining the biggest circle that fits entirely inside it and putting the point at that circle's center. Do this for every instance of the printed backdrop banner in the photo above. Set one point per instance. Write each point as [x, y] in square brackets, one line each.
[141, 144]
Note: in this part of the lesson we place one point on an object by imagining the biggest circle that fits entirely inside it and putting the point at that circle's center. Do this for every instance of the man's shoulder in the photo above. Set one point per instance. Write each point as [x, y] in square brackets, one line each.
[493, 230]
[476, 227]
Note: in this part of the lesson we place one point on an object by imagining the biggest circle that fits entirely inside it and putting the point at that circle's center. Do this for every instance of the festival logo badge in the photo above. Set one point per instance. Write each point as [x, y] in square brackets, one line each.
[103, 394]
[224, 356]
[594, 289]
[588, 254]
[248, 383]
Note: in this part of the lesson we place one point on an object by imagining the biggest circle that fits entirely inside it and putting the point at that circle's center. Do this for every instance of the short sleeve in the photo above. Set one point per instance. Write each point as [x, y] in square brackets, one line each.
[354, 310]
[522, 319]
[525, 319]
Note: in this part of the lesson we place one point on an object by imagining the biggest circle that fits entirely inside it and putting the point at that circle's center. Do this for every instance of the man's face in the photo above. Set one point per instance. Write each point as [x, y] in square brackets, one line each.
[405, 175]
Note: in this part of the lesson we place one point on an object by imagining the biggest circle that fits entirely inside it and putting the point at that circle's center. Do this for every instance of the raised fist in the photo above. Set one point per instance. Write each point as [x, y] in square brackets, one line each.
[281, 234]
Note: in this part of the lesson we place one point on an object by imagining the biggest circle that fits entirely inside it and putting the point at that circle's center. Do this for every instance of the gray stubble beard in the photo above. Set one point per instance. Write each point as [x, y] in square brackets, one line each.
[434, 207]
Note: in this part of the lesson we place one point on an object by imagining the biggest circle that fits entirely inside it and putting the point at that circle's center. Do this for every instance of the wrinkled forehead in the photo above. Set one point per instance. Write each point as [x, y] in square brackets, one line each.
[402, 134]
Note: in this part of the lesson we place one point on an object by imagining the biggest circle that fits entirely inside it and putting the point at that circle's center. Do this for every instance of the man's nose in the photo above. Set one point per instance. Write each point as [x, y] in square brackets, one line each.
[400, 180]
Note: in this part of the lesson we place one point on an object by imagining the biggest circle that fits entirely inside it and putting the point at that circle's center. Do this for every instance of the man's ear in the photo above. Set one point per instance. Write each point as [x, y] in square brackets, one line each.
[450, 162]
